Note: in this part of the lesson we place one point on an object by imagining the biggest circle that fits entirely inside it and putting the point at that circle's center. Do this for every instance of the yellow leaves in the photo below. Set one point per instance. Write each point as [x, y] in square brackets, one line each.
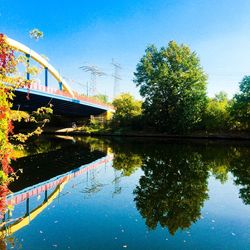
[12, 82]
[39, 117]
[20, 137]
[17, 115]
[22, 59]
[33, 70]
[44, 110]
[3, 177]
[38, 131]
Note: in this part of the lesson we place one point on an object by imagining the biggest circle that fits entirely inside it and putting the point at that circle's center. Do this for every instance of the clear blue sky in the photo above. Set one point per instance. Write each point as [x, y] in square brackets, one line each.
[94, 32]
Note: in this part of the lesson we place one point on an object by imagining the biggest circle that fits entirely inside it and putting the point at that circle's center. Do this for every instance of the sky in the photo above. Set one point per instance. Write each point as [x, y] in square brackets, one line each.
[93, 32]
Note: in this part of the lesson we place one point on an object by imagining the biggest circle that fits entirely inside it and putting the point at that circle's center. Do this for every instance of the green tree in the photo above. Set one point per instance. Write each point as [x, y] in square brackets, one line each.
[240, 109]
[173, 84]
[221, 96]
[216, 116]
[127, 109]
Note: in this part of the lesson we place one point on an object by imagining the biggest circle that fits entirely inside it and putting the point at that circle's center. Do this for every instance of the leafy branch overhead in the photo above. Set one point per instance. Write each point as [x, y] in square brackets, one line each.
[36, 34]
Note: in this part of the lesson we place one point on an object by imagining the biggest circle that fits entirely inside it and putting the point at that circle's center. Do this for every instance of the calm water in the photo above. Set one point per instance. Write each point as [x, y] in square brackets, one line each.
[87, 193]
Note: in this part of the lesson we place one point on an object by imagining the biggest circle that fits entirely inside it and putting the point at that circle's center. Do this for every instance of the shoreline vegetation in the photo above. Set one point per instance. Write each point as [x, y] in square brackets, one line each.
[197, 135]
[175, 104]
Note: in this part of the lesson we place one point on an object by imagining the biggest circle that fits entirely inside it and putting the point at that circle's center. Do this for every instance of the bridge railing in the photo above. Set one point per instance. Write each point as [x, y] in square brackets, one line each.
[36, 86]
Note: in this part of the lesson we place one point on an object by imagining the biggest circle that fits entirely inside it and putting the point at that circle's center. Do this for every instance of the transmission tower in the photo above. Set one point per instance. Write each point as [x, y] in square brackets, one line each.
[117, 77]
[94, 73]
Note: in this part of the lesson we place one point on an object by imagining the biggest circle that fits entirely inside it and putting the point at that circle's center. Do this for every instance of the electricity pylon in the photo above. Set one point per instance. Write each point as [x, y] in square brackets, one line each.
[117, 77]
[94, 73]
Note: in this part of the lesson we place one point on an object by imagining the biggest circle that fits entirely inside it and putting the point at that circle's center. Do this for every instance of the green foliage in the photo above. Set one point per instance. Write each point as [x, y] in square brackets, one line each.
[102, 98]
[220, 172]
[240, 109]
[174, 87]
[36, 34]
[174, 186]
[95, 126]
[216, 116]
[126, 162]
[127, 110]
[95, 144]
[240, 167]
[221, 96]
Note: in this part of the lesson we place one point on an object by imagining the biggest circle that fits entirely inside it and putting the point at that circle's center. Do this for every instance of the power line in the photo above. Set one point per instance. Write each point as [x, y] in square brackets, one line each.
[117, 77]
[85, 85]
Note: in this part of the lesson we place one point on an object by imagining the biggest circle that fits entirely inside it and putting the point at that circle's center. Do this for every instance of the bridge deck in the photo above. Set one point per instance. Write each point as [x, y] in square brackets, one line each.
[63, 103]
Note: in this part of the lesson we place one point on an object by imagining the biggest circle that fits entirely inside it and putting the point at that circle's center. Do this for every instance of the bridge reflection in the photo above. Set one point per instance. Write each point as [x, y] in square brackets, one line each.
[10, 225]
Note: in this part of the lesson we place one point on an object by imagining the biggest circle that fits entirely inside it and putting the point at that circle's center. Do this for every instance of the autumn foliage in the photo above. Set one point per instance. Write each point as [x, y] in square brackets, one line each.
[8, 83]
[7, 67]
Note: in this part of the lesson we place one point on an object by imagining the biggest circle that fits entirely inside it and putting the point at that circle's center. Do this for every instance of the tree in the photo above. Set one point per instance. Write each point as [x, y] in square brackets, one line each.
[221, 96]
[216, 116]
[240, 109]
[9, 81]
[7, 67]
[174, 87]
[126, 109]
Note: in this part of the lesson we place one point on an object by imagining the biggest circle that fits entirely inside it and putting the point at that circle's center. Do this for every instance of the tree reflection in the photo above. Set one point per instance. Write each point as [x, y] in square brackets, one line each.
[127, 155]
[174, 186]
[127, 162]
[173, 189]
[240, 167]
[233, 158]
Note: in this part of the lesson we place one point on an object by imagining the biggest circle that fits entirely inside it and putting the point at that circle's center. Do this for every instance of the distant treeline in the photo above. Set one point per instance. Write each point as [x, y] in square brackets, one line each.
[173, 85]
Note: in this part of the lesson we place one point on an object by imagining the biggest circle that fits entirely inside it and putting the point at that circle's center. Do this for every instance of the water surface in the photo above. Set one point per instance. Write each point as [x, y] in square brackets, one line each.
[89, 193]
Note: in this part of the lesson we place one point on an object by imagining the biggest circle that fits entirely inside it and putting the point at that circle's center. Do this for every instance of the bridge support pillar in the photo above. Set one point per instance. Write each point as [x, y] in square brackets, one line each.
[27, 68]
[28, 206]
[60, 85]
[46, 196]
[46, 76]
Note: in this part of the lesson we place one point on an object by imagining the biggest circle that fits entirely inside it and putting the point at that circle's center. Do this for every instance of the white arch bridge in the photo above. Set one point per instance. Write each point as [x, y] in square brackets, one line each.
[65, 101]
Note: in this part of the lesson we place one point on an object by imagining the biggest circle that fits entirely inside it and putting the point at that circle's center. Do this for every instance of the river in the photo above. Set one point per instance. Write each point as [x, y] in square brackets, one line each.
[127, 193]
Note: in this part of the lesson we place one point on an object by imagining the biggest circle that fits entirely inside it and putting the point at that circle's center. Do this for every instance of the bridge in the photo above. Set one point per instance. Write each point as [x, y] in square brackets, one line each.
[10, 225]
[65, 101]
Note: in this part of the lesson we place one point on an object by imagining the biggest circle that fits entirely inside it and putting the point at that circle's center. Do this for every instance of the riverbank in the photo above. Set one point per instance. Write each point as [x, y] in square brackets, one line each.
[198, 135]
